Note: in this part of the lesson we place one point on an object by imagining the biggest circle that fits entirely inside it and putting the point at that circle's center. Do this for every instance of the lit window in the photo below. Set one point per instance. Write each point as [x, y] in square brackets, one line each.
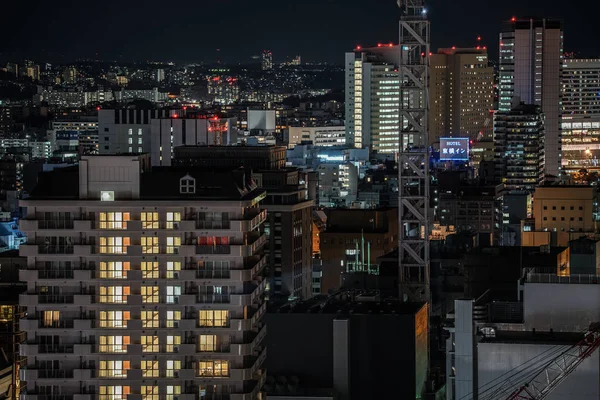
[114, 245]
[114, 319]
[173, 293]
[208, 342]
[214, 318]
[150, 369]
[149, 269]
[150, 294]
[173, 219]
[114, 344]
[213, 368]
[172, 343]
[51, 319]
[149, 245]
[149, 220]
[173, 268]
[113, 368]
[172, 391]
[113, 220]
[150, 393]
[172, 367]
[187, 184]
[113, 392]
[114, 269]
[150, 319]
[173, 244]
[172, 319]
[114, 294]
[150, 344]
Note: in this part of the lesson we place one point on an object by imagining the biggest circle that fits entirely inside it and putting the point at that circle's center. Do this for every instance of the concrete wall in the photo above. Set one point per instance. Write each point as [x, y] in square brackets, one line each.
[496, 359]
[561, 307]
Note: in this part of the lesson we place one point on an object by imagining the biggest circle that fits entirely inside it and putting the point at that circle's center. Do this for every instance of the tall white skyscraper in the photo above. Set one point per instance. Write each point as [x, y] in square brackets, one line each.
[373, 98]
[531, 58]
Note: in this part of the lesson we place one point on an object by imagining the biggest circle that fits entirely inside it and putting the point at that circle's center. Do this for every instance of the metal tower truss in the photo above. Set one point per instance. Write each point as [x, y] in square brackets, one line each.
[413, 160]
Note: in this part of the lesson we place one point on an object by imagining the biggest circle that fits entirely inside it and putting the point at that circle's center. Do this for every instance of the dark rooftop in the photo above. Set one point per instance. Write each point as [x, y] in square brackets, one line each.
[349, 302]
[161, 183]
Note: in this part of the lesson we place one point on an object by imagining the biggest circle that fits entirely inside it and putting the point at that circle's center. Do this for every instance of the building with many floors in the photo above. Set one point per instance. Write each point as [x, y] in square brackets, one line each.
[531, 60]
[134, 290]
[580, 119]
[461, 94]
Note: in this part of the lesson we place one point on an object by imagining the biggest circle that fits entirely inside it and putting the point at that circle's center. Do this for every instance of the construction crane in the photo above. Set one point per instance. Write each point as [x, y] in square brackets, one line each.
[559, 368]
[413, 155]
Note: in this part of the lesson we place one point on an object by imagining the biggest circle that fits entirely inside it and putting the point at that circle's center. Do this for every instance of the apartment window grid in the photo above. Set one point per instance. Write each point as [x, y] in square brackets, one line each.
[150, 319]
[150, 393]
[150, 269]
[173, 293]
[208, 343]
[216, 368]
[150, 245]
[173, 219]
[149, 220]
[114, 294]
[172, 367]
[113, 392]
[114, 319]
[214, 318]
[150, 369]
[173, 244]
[113, 368]
[172, 342]
[150, 294]
[173, 268]
[150, 344]
[114, 220]
[173, 318]
[114, 269]
[114, 344]
[114, 245]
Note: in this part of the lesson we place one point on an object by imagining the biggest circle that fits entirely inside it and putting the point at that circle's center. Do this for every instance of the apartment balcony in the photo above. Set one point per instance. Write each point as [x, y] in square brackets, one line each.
[35, 396]
[240, 275]
[55, 249]
[214, 249]
[253, 319]
[35, 374]
[256, 386]
[213, 299]
[251, 298]
[243, 374]
[246, 349]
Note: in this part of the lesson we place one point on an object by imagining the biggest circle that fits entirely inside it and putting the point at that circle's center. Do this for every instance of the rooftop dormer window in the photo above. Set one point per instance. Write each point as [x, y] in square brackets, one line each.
[187, 185]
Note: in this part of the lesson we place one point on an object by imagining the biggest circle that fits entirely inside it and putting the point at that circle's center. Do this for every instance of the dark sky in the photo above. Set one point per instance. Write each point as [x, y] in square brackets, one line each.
[319, 30]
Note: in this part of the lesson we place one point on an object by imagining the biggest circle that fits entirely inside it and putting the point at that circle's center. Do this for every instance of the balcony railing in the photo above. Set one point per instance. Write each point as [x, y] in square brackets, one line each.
[55, 274]
[213, 249]
[55, 224]
[213, 224]
[55, 299]
[55, 324]
[50, 349]
[55, 249]
[213, 298]
[213, 274]
[55, 374]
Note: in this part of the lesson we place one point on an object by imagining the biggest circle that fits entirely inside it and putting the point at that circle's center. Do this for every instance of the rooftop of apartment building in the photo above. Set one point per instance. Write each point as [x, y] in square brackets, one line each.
[160, 183]
[350, 220]
[346, 302]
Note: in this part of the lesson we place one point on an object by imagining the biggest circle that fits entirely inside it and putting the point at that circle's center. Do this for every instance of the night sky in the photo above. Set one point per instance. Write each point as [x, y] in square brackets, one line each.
[318, 30]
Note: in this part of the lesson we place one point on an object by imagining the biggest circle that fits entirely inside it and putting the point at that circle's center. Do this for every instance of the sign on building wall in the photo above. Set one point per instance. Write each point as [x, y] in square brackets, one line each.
[454, 149]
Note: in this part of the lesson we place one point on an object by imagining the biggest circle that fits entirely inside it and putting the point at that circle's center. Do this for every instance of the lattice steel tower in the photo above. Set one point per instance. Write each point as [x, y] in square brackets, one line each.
[413, 160]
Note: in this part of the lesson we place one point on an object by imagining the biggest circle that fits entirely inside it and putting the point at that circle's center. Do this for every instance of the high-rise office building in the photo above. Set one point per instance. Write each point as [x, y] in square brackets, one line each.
[267, 60]
[223, 89]
[531, 59]
[143, 284]
[160, 75]
[580, 119]
[70, 75]
[461, 94]
[519, 147]
[373, 98]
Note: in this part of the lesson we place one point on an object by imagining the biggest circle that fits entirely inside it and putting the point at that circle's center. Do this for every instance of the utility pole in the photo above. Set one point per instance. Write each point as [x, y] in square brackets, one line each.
[413, 157]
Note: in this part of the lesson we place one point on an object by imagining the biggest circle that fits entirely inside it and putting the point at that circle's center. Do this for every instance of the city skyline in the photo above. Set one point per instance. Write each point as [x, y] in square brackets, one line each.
[286, 31]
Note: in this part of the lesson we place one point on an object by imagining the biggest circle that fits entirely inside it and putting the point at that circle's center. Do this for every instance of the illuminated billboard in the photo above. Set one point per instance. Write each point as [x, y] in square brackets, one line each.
[454, 149]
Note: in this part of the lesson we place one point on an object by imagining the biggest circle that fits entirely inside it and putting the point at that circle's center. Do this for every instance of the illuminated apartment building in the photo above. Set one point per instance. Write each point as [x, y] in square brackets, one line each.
[146, 284]
[373, 98]
[580, 119]
[461, 90]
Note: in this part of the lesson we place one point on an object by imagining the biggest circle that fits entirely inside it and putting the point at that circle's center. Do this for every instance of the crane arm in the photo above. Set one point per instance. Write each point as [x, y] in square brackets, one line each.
[559, 368]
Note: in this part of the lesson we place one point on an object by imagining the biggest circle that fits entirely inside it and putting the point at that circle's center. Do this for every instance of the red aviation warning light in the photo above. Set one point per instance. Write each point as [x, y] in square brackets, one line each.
[513, 19]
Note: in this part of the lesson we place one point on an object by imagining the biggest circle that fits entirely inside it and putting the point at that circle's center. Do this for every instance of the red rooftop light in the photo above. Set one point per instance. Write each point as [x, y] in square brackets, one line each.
[378, 44]
[391, 44]
[513, 19]
[357, 47]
